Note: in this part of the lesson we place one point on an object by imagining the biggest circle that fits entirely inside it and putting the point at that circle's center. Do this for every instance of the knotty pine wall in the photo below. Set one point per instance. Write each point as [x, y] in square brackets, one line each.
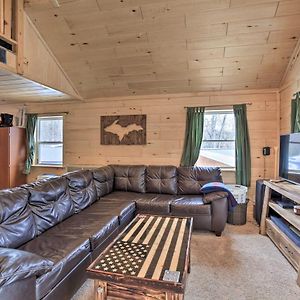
[165, 129]
[290, 86]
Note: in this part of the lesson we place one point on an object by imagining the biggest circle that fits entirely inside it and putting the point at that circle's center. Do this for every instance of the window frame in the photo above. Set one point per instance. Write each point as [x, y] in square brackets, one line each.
[38, 143]
[219, 111]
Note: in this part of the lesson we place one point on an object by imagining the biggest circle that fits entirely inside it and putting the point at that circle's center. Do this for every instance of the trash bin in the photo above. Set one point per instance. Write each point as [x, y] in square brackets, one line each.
[238, 216]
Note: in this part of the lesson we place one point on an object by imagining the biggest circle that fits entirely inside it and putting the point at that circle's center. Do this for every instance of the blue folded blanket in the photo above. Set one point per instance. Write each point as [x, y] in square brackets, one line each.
[280, 222]
[220, 187]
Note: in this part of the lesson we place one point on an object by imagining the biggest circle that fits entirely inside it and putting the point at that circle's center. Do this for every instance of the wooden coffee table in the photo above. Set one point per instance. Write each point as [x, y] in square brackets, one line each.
[150, 259]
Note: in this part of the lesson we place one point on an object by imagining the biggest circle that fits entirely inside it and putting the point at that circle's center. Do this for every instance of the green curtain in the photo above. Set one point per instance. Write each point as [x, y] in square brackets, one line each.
[295, 113]
[30, 129]
[193, 135]
[242, 146]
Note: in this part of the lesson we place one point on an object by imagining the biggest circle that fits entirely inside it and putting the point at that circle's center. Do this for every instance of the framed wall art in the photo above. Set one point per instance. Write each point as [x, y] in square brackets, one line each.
[123, 130]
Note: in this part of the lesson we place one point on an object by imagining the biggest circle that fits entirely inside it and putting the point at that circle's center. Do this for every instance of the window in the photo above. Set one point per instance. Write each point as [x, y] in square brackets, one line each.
[218, 144]
[49, 140]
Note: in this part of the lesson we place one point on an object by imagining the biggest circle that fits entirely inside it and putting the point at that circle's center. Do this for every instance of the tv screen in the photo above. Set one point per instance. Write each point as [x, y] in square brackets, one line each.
[289, 163]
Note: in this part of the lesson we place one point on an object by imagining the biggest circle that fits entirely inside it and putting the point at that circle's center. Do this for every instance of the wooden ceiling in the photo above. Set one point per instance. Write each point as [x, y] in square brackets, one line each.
[143, 47]
[15, 88]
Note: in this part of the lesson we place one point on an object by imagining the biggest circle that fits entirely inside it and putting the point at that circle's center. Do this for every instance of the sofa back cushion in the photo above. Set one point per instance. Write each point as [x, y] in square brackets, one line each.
[104, 180]
[82, 189]
[50, 202]
[17, 225]
[191, 179]
[161, 179]
[130, 178]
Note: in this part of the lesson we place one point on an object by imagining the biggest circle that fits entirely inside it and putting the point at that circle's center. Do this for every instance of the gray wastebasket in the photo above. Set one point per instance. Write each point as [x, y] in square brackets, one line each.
[238, 216]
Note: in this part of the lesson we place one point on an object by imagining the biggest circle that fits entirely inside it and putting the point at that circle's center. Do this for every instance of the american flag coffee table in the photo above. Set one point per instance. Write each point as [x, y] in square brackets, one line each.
[150, 259]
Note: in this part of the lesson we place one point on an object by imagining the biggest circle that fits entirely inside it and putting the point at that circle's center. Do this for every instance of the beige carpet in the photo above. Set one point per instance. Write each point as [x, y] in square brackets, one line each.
[239, 265]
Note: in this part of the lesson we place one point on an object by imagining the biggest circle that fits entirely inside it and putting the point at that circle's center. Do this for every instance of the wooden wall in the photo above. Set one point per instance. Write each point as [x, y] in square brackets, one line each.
[290, 85]
[165, 128]
[40, 64]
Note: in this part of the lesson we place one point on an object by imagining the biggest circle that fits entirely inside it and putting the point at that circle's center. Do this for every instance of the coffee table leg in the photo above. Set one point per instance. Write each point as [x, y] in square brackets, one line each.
[100, 290]
[189, 262]
[172, 296]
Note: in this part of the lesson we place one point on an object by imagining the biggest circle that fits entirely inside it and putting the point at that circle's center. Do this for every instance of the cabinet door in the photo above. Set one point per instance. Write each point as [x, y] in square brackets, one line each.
[4, 158]
[17, 156]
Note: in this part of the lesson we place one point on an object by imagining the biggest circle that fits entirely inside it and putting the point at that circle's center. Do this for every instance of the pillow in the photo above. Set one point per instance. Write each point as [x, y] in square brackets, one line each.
[104, 180]
[130, 178]
[17, 225]
[161, 179]
[50, 202]
[82, 189]
[17, 264]
[191, 179]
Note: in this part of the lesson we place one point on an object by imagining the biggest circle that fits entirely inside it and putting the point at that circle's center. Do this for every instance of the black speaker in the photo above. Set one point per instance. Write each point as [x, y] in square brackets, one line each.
[6, 120]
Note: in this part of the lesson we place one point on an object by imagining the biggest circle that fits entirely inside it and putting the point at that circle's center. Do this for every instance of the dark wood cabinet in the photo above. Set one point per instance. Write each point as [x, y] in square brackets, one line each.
[12, 156]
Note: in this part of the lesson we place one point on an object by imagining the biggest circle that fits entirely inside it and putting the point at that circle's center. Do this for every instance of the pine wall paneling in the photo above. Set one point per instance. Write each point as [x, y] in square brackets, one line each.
[290, 85]
[40, 64]
[165, 128]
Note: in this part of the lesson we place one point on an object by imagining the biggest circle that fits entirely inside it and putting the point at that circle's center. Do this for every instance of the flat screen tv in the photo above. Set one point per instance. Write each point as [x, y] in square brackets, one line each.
[289, 162]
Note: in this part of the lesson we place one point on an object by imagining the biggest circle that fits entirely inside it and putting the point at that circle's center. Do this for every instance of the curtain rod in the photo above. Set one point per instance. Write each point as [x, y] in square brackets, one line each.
[222, 105]
[51, 113]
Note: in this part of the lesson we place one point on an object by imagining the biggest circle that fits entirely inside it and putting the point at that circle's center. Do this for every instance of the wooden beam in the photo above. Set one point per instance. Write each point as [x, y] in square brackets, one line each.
[20, 35]
[2, 16]
[7, 18]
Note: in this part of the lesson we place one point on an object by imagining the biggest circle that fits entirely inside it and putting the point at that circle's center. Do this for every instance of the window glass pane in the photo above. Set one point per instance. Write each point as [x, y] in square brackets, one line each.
[51, 129]
[219, 126]
[50, 154]
[218, 146]
[217, 154]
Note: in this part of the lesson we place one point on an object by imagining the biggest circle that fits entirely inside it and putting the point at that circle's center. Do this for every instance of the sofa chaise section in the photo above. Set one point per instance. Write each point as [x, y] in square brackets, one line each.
[53, 219]
[66, 252]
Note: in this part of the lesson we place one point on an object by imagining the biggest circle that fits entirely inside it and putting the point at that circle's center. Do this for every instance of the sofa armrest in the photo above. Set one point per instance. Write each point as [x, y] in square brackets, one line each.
[219, 210]
[18, 265]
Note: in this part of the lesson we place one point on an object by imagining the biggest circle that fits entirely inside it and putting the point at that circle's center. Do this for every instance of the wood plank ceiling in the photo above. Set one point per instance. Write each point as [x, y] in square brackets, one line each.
[143, 47]
[15, 88]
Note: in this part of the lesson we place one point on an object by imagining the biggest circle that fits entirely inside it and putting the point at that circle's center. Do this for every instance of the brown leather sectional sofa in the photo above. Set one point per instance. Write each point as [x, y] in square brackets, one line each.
[51, 230]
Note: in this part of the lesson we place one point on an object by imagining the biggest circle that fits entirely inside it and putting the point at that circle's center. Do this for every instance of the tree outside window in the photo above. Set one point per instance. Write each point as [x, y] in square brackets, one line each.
[218, 144]
[49, 140]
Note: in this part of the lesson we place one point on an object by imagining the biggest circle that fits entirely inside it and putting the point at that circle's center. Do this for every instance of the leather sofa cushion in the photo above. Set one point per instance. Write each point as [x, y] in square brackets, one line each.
[82, 189]
[161, 179]
[17, 224]
[191, 179]
[50, 202]
[65, 251]
[125, 196]
[104, 180]
[93, 226]
[157, 204]
[21, 289]
[119, 207]
[17, 265]
[129, 178]
[189, 205]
